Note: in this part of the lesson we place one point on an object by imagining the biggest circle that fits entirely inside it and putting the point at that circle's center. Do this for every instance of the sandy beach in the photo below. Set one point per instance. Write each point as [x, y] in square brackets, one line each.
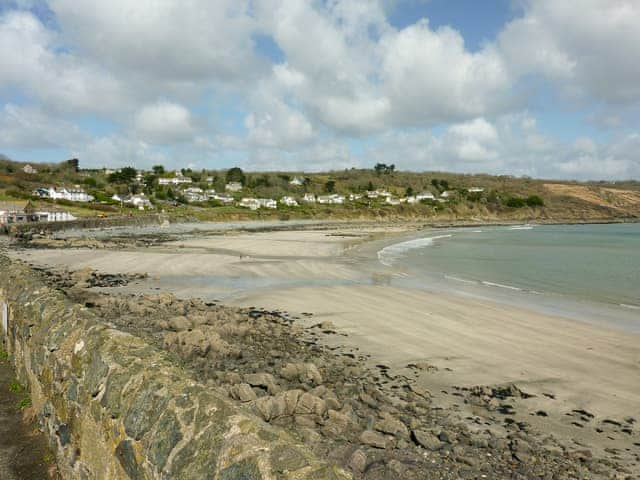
[566, 365]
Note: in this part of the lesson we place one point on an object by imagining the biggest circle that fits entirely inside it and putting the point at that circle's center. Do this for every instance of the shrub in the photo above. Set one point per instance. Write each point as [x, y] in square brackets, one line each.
[535, 201]
[516, 202]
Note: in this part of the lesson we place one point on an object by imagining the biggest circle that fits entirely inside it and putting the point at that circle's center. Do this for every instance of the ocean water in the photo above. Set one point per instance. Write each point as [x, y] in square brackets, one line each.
[592, 263]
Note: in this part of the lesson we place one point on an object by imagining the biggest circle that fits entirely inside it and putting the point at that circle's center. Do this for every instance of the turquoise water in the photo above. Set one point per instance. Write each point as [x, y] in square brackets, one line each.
[598, 263]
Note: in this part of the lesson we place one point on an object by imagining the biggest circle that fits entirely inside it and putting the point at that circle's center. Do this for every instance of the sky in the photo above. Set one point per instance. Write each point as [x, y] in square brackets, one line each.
[542, 88]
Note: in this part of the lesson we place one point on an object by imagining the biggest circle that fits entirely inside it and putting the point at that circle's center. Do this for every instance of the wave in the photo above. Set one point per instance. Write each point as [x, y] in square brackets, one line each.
[500, 285]
[522, 227]
[632, 307]
[391, 253]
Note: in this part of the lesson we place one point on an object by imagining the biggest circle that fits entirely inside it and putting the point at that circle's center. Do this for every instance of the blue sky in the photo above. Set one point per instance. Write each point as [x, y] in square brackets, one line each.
[523, 87]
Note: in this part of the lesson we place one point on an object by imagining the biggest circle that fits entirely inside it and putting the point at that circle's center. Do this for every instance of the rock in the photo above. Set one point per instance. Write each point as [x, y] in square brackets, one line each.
[271, 408]
[447, 437]
[392, 426]
[427, 440]
[264, 380]
[368, 400]
[178, 324]
[373, 439]
[336, 424]
[243, 392]
[310, 404]
[301, 372]
[358, 461]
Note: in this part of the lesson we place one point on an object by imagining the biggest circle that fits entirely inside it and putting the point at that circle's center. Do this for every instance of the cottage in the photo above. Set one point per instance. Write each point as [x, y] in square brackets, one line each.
[425, 196]
[392, 201]
[29, 169]
[233, 187]
[13, 213]
[221, 197]
[72, 194]
[194, 194]
[250, 203]
[447, 194]
[178, 179]
[355, 196]
[309, 198]
[476, 190]
[297, 181]
[333, 199]
[289, 201]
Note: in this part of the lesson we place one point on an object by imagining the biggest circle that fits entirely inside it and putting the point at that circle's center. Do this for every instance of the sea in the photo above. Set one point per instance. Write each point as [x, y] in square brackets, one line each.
[586, 272]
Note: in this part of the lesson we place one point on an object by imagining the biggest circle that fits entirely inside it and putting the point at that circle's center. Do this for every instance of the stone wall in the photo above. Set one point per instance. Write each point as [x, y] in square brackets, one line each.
[115, 407]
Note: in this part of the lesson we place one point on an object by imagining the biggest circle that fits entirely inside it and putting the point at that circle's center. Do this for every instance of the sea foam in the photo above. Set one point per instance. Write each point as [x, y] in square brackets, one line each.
[388, 255]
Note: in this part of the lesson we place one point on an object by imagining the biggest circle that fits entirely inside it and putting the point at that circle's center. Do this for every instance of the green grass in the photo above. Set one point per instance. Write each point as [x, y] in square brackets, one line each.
[15, 387]
[4, 355]
[24, 403]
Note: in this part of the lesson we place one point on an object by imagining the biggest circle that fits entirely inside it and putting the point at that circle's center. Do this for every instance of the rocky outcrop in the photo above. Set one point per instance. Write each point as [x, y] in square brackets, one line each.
[115, 407]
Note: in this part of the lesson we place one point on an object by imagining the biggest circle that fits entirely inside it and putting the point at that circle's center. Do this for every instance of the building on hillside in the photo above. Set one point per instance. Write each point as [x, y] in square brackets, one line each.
[298, 181]
[208, 179]
[476, 190]
[333, 199]
[256, 203]
[13, 213]
[392, 201]
[355, 196]
[194, 194]
[140, 201]
[220, 197]
[29, 169]
[411, 199]
[309, 198]
[426, 195]
[233, 187]
[447, 194]
[289, 201]
[372, 194]
[177, 179]
[75, 194]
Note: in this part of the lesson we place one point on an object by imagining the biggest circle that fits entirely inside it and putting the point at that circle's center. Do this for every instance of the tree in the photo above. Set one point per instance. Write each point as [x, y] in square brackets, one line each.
[330, 186]
[535, 201]
[124, 175]
[384, 168]
[158, 169]
[516, 202]
[370, 187]
[235, 174]
[409, 192]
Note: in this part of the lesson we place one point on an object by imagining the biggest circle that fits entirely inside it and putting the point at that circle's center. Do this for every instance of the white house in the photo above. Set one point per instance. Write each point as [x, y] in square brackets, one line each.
[194, 194]
[233, 187]
[447, 194]
[221, 197]
[392, 201]
[289, 201]
[333, 199]
[141, 202]
[297, 181]
[251, 203]
[268, 203]
[372, 194]
[29, 169]
[355, 196]
[10, 213]
[72, 194]
[178, 179]
[425, 196]
[309, 198]
[476, 190]
[411, 199]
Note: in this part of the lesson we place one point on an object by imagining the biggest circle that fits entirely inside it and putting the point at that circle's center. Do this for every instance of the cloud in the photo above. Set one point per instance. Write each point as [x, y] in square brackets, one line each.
[164, 123]
[590, 50]
[30, 127]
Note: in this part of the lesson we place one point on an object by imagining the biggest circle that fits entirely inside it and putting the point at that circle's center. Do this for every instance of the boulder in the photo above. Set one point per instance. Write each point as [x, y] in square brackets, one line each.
[301, 372]
[373, 439]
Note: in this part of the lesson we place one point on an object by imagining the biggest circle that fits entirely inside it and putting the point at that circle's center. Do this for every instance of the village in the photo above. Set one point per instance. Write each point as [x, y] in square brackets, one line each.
[157, 190]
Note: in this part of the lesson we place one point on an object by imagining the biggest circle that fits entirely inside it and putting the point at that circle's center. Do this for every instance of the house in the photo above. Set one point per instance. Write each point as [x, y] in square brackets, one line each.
[355, 196]
[383, 193]
[425, 196]
[333, 199]
[29, 169]
[476, 190]
[298, 181]
[178, 179]
[250, 203]
[72, 194]
[208, 179]
[221, 197]
[372, 194]
[233, 187]
[309, 198]
[411, 199]
[256, 203]
[392, 201]
[141, 202]
[447, 194]
[289, 201]
[13, 213]
[194, 194]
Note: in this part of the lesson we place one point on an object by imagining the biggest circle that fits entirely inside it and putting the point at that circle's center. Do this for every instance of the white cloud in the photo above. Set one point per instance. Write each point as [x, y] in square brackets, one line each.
[589, 49]
[30, 127]
[164, 123]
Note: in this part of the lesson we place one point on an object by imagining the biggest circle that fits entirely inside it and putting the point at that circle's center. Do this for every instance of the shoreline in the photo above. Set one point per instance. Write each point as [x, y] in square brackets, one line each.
[461, 342]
